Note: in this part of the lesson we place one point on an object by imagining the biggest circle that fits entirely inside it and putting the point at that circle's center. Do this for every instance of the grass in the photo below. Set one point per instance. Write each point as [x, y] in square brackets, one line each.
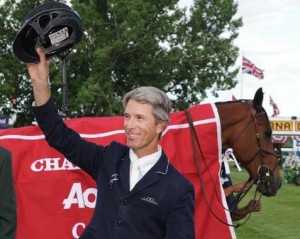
[279, 218]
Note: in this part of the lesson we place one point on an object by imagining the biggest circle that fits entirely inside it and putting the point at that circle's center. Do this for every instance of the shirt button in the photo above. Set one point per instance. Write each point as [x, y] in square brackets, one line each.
[119, 223]
[125, 202]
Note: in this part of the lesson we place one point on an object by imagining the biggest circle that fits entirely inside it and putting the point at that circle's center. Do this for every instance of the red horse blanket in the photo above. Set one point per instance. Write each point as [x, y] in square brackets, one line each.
[55, 199]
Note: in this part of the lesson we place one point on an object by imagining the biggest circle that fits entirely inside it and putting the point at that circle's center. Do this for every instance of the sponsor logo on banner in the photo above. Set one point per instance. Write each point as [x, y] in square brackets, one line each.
[52, 164]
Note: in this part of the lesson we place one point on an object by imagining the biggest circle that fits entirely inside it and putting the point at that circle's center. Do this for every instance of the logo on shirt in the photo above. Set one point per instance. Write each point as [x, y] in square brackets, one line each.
[149, 200]
[114, 177]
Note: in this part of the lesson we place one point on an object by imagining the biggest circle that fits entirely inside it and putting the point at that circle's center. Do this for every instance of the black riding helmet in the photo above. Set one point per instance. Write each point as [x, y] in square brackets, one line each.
[53, 26]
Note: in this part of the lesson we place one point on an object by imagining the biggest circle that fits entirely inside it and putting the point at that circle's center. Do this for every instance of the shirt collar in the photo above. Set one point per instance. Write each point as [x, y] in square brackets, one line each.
[147, 162]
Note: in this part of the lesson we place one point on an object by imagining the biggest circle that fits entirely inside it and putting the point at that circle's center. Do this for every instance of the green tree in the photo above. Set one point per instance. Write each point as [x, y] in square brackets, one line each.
[139, 42]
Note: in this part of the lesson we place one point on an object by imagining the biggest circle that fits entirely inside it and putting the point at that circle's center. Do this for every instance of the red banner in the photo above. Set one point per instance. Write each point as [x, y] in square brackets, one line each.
[55, 199]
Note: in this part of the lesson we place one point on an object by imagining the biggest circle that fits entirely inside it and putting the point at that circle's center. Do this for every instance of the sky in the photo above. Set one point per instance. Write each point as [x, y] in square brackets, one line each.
[269, 38]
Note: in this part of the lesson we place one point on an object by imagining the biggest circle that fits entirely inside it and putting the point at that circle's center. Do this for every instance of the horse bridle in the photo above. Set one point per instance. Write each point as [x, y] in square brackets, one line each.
[264, 173]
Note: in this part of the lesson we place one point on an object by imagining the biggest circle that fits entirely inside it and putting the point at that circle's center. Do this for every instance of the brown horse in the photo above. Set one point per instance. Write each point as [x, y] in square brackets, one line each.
[247, 130]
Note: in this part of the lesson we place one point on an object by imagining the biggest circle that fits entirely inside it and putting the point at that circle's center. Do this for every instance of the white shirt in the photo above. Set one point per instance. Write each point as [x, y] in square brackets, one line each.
[140, 166]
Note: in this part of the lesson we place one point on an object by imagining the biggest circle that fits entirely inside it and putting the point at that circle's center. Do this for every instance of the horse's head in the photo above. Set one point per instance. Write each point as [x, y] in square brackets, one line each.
[267, 174]
[246, 129]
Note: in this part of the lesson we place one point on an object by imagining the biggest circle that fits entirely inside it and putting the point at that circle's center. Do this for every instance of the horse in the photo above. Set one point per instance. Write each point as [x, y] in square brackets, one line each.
[246, 129]
[243, 127]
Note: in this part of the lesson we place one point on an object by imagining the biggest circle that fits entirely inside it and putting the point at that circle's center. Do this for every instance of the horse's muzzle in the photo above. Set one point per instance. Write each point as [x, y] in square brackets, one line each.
[269, 186]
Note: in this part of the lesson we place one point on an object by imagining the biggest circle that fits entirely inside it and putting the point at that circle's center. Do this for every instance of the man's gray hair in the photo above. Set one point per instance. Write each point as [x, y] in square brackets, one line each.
[151, 95]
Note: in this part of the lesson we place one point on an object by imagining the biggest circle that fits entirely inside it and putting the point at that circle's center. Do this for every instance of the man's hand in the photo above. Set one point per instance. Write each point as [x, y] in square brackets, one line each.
[39, 71]
[254, 206]
[39, 74]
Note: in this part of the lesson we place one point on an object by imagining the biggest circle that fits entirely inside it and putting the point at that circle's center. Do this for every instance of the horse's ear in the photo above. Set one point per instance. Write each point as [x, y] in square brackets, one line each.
[258, 99]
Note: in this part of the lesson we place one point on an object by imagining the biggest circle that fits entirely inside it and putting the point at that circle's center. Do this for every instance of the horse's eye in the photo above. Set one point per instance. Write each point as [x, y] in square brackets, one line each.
[268, 133]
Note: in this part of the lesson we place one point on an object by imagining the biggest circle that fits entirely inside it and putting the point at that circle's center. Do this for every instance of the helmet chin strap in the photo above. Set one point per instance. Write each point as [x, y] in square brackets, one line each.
[62, 56]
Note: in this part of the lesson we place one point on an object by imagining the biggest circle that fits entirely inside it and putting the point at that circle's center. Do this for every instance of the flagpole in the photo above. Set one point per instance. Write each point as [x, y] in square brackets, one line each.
[241, 85]
[242, 76]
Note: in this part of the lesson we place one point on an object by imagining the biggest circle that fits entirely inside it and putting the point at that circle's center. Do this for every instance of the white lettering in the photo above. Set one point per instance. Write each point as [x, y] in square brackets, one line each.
[68, 165]
[52, 164]
[86, 194]
[75, 197]
[82, 199]
[77, 227]
[37, 165]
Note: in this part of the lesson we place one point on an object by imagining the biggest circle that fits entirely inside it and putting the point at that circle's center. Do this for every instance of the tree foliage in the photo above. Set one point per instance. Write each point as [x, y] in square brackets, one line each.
[128, 44]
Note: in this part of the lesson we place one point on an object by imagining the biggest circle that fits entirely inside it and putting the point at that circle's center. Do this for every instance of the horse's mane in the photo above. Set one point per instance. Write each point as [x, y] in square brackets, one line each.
[243, 101]
[232, 102]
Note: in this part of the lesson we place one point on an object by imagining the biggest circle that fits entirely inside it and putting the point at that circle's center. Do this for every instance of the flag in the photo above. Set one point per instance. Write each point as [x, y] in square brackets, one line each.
[275, 107]
[233, 98]
[249, 68]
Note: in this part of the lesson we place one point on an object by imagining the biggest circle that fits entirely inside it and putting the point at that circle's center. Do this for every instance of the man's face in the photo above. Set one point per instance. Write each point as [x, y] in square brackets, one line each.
[140, 128]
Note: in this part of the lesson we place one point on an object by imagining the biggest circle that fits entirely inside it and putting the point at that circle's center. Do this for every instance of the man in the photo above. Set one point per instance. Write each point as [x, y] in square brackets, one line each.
[8, 214]
[140, 194]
